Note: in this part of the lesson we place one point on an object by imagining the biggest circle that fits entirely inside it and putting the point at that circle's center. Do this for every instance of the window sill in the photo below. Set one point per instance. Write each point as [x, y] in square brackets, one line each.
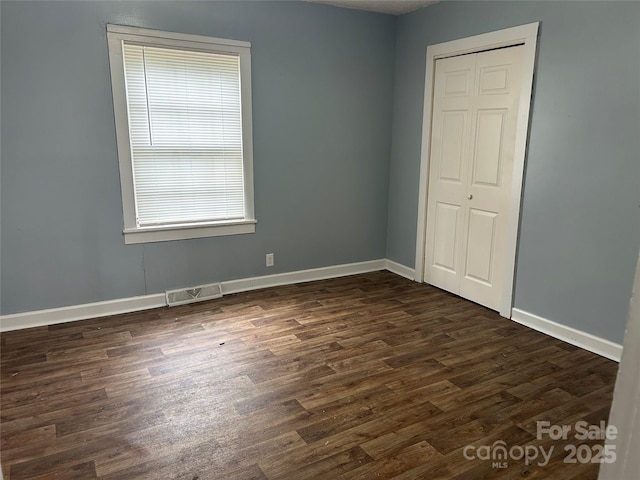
[183, 232]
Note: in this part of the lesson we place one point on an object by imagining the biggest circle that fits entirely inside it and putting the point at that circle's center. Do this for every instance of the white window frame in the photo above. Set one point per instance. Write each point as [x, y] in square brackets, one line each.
[116, 36]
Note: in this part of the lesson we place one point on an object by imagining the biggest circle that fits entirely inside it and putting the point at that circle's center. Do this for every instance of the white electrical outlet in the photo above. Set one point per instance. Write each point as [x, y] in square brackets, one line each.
[269, 259]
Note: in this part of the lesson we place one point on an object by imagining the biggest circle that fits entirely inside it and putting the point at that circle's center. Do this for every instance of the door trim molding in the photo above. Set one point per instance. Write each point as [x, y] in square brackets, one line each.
[527, 36]
[625, 413]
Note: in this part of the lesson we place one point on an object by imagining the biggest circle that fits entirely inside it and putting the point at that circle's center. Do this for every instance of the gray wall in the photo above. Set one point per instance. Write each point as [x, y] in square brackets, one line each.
[322, 102]
[580, 221]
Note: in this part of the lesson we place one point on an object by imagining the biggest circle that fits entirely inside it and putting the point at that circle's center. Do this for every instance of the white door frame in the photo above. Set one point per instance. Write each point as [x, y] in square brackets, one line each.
[526, 35]
[625, 410]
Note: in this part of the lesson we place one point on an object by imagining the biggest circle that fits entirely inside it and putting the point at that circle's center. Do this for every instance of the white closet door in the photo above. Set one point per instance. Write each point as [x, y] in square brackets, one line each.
[471, 163]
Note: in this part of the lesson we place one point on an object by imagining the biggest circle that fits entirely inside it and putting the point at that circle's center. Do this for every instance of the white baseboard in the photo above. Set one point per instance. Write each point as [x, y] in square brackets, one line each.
[301, 276]
[601, 346]
[72, 313]
[51, 316]
[400, 269]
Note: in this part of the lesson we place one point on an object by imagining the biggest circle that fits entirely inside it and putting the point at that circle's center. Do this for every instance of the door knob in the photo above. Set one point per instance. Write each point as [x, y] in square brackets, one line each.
[470, 196]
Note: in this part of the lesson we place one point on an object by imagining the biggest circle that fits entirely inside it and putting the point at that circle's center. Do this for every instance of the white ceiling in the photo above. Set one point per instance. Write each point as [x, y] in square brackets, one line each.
[392, 7]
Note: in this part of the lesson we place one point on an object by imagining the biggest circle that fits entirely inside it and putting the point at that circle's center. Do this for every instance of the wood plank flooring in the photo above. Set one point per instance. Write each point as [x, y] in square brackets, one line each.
[363, 377]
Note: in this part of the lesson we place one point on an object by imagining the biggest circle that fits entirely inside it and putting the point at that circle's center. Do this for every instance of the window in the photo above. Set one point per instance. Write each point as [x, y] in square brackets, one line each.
[182, 106]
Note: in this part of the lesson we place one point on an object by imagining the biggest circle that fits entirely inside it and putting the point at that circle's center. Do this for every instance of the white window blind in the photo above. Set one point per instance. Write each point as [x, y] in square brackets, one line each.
[185, 127]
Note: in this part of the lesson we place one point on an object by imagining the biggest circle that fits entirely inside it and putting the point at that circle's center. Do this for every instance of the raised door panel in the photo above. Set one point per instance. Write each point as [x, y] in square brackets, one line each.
[453, 143]
[446, 231]
[481, 238]
[494, 79]
[487, 155]
[457, 80]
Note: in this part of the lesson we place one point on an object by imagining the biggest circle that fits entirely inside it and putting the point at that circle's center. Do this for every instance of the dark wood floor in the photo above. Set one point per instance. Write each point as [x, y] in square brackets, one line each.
[370, 376]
